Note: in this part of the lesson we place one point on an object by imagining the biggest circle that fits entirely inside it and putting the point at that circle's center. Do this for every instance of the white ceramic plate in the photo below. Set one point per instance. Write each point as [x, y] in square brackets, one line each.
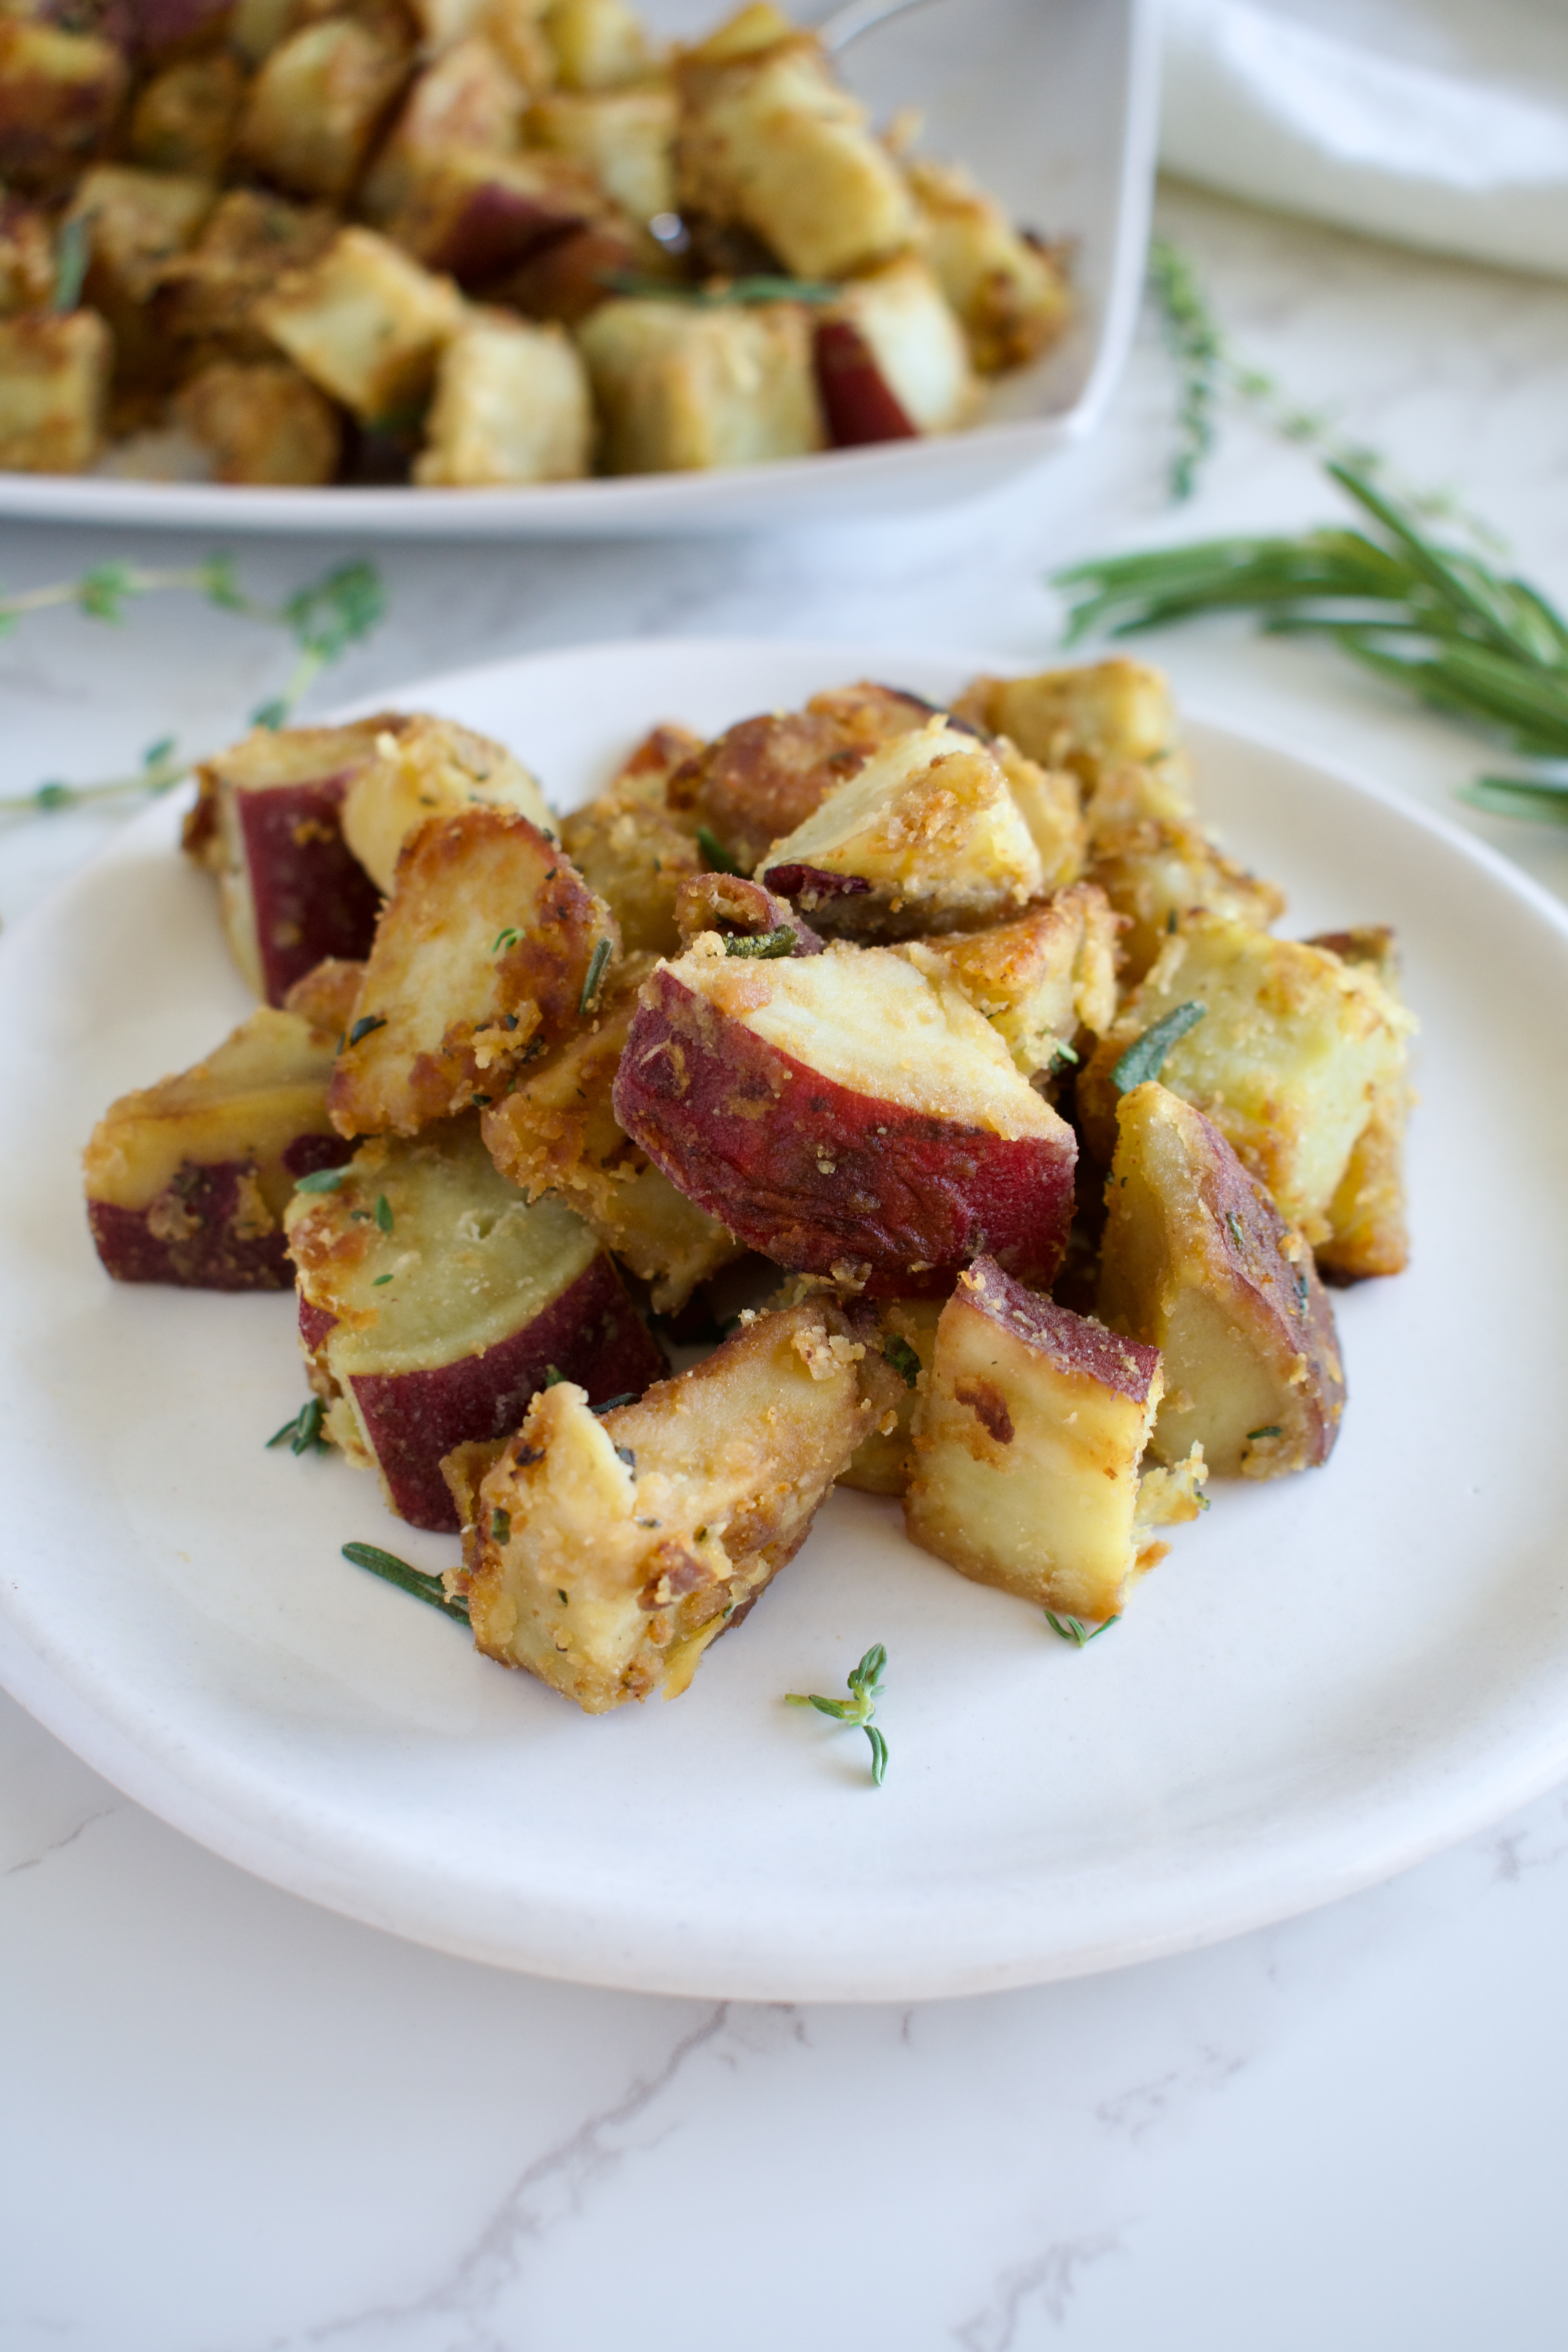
[1051, 101]
[1329, 1678]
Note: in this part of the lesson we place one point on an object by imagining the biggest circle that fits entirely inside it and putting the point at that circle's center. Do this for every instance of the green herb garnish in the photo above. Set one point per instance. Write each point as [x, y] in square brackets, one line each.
[73, 251]
[408, 1579]
[507, 939]
[903, 1358]
[1074, 1630]
[715, 851]
[364, 1024]
[1234, 1226]
[865, 1690]
[553, 1376]
[766, 943]
[1273, 1430]
[611, 1404]
[597, 962]
[323, 1180]
[722, 293]
[381, 1281]
[501, 1527]
[1146, 1057]
[384, 1213]
[304, 1432]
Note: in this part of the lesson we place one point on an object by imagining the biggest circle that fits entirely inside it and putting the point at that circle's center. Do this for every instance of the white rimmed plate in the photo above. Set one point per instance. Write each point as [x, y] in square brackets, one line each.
[1051, 101]
[1329, 1677]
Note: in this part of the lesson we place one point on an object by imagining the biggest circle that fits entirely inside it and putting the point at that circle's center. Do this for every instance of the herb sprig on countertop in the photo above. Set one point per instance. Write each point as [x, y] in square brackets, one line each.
[858, 1708]
[323, 618]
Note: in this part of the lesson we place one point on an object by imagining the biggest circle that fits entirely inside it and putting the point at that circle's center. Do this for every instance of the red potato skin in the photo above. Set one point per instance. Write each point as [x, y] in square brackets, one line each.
[1072, 1343]
[816, 1177]
[187, 1236]
[495, 230]
[311, 895]
[592, 1334]
[857, 401]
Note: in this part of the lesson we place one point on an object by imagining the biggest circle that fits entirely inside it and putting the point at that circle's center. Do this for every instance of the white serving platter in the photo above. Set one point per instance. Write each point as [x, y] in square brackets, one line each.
[1330, 1676]
[1053, 102]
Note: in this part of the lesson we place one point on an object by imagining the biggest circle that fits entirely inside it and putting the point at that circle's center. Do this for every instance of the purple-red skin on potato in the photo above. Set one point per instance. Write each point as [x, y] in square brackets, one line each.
[312, 898]
[591, 1333]
[815, 1176]
[187, 1236]
[497, 229]
[857, 401]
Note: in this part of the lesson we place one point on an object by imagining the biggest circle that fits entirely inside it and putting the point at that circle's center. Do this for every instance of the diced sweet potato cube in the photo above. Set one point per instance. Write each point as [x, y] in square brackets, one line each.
[187, 1180]
[317, 104]
[770, 141]
[1049, 801]
[59, 93]
[926, 836]
[490, 950]
[327, 994]
[1091, 718]
[762, 778]
[845, 1114]
[267, 822]
[916, 344]
[1295, 1053]
[365, 322]
[1368, 1232]
[555, 1130]
[608, 1552]
[1042, 980]
[465, 100]
[208, 295]
[511, 405]
[625, 137]
[1155, 872]
[573, 275]
[631, 849]
[54, 385]
[596, 44]
[137, 222]
[741, 909]
[680, 388]
[1197, 1262]
[479, 216]
[1028, 1432]
[486, 1298]
[261, 422]
[1012, 293]
[185, 119]
[430, 767]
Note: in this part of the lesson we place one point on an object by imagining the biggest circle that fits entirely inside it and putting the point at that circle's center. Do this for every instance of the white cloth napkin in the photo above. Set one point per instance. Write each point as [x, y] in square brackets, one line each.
[1437, 122]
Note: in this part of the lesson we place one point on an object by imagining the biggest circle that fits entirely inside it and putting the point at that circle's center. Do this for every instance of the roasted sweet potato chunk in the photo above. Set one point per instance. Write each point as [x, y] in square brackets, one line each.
[490, 949]
[59, 93]
[926, 836]
[365, 322]
[1043, 980]
[1197, 1262]
[1296, 1052]
[1154, 871]
[608, 1552]
[260, 421]
[680, 388]
[318, 102]
[1028, 1432]
[434, 1302]
[54, 387]
[430, 767]
[845, 1113]
[635, 850]
[187, 1180]
[1012, 293]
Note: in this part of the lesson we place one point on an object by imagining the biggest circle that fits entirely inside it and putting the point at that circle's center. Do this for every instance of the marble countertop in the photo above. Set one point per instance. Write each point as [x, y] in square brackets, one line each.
[232, 2123]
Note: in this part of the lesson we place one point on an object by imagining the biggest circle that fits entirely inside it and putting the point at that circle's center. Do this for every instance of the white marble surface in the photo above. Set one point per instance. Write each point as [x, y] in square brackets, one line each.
[231, 2123]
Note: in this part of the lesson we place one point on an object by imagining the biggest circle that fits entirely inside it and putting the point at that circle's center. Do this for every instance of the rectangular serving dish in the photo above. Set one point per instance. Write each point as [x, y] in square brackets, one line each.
[1051, 102]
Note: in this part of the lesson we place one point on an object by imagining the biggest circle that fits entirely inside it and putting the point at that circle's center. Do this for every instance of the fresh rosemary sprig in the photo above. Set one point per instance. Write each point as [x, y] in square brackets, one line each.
[594, 974]
[858, 1708]
[1146, 1057]
[1434, 620]
[715, 851]
[1074, 1630]
[407, 1579]
[323, 619]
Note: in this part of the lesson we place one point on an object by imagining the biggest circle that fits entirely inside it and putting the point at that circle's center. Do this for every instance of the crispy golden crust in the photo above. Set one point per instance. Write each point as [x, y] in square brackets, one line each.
[760, 780]
[482, 953]
[632, 849]
[607, 1553]
[1044, 981]
[1154, 871]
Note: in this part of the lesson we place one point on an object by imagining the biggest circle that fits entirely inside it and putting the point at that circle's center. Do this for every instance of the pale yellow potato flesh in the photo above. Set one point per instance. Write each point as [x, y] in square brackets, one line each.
[430, 767]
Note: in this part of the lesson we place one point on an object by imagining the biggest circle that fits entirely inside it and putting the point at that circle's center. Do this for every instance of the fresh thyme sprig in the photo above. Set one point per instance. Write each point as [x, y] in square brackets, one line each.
[323, 619]
[1435, 621]
[407, 1579]
[858, 1708]
[1074, 1630]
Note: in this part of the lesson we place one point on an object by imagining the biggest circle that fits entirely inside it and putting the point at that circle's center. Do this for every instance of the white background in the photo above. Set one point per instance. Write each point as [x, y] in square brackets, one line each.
[231, 2122]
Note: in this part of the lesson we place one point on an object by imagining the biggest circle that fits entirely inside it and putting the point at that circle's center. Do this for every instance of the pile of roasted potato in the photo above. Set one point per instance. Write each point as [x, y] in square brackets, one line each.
[936, 1056]
[468, 243]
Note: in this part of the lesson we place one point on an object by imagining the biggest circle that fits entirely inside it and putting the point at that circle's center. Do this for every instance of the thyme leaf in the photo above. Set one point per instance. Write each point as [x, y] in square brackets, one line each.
[865, 1682]
[323, 1180]
[597, 962]
[408, 1579]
